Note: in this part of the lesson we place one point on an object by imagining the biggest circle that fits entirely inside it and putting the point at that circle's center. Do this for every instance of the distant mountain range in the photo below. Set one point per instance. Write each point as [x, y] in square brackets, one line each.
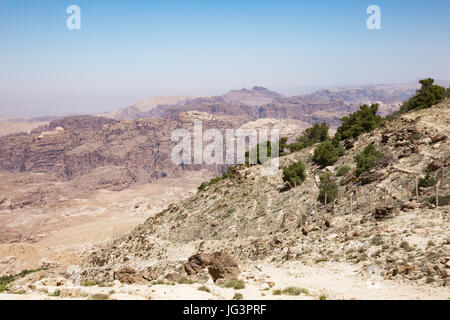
[327, 105]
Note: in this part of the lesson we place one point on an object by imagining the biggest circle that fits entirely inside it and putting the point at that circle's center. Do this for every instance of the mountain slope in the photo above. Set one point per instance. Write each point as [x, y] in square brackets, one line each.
[250, 216]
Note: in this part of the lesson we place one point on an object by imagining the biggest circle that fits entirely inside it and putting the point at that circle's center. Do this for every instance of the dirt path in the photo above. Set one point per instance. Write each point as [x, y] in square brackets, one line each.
[330, 280]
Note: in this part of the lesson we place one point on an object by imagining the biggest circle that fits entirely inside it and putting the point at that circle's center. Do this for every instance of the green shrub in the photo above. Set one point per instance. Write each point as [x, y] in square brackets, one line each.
[235, 284]
[262, 155]
[427, 182]
[277, 292]
[442, 200]
[311, 136]
[238, 296]
[7, 280]
[326, 154]
[294, 174]
[4, 283]
[89, 283]
[342, 171]
[56, 293]
[427, 96]
[366, 159]
[294, 291]
[204, 288]
[291, 291]
[282, 146]
[361, 121]
[327, 187]
[226, 175]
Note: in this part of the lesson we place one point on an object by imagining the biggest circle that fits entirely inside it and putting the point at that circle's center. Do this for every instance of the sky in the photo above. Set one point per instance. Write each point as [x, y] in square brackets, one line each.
[130, 50]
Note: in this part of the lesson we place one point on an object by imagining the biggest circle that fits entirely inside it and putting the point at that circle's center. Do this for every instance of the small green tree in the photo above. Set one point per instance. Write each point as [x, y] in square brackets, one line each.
[342, 171]
[326, 154]
[227, 174]
[366, 159]
[427, 182]
[327, 187]
[428, 95]
[363, 120]
[294, 174]
[263, 155]
[311, 136]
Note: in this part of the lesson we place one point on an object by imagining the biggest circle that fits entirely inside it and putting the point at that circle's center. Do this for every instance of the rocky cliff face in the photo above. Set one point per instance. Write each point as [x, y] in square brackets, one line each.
[376, 222]
[75, 146]
[298, 108]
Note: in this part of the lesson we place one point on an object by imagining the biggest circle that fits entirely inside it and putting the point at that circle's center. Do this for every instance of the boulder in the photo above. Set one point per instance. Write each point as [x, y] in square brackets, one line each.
[433, 166]
[46, 264]
[127, 275]
[196, 263]
[223, 267]
[371, 176]
[383, 212]
[174, 277]
[220, 265]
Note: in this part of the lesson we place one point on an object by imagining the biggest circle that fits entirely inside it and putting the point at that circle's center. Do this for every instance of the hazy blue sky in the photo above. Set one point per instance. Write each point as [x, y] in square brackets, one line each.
[130, 50]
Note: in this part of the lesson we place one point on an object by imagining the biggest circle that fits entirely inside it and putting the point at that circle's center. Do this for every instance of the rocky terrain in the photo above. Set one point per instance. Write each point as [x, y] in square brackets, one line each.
[252, 218]
[246, 234]
[62, 180]
[381, 233]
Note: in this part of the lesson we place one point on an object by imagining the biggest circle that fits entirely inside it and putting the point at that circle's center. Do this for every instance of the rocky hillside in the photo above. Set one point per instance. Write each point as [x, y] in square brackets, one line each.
[377, 222]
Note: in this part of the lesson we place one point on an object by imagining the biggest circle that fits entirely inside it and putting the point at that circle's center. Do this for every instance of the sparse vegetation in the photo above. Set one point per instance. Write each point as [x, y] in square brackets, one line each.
[429, 280]
[342, 171]
[55, 293]
[326, 154]
[99, 296]
[263, 152]
[204, 288]
[294, 174]
[291, 291]
[361, 121]
[227, 174]
[427, 182]
[235, 284]
[428, 95]
[19, 292]
[277, 292]
[238, 296]
[327, 188]
[185, 280]
[443, 200]
[7, 280]
[366, 159]
[89, 283]
[323, 297]
[311, 136]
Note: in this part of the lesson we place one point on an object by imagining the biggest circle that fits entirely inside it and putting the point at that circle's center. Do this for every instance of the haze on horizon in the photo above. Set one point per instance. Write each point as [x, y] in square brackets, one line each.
[131, 50]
